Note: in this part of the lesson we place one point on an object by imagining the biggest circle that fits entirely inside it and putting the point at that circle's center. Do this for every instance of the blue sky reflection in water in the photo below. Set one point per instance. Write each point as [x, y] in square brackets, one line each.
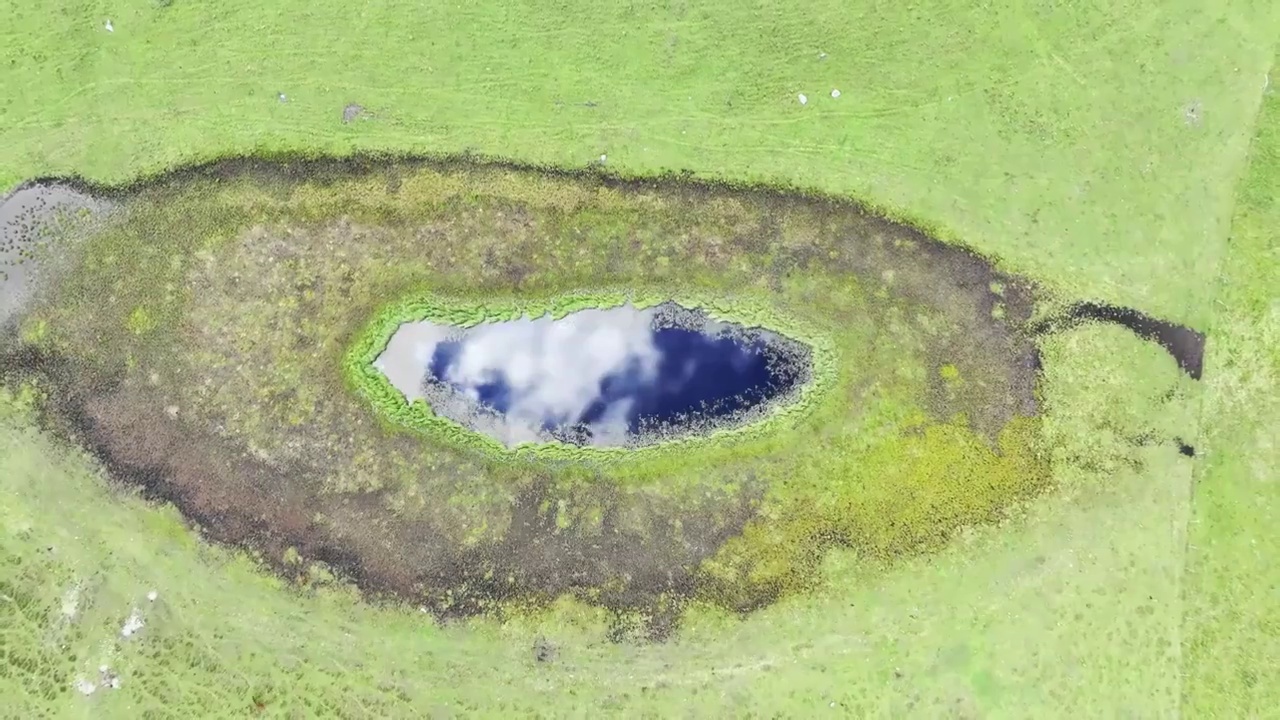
[618, 376]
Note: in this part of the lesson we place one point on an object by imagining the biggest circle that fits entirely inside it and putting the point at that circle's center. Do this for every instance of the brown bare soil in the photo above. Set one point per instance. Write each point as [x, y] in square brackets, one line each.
[641, 551]
[235, 498]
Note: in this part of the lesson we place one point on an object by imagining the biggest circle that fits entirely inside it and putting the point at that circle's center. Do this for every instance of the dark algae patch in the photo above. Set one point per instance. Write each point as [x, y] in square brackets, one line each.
[219, 344]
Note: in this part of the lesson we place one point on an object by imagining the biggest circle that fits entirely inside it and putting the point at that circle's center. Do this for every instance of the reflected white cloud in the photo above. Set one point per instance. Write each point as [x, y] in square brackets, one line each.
[552, 369]
[409, 353]
[627, 376]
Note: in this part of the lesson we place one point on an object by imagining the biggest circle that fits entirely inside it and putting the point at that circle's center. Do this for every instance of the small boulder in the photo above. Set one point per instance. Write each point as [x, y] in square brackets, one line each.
[351, 112]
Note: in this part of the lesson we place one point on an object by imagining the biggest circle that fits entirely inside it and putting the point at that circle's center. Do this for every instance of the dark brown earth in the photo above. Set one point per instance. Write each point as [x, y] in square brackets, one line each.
[645, 566]
[234, 498]
[1184, 345]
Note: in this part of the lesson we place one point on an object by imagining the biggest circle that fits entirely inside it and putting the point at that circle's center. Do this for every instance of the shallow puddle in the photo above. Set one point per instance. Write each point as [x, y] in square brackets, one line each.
[602, 377]
[29, 218]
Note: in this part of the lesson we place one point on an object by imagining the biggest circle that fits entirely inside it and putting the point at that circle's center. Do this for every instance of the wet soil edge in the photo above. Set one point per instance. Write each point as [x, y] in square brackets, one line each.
[1184, 344]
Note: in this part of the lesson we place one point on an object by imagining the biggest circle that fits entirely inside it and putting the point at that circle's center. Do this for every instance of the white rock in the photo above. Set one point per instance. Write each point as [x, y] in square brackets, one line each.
[84, 686]
[835, 93]
[109, 27]
[803, 99]
[71, 602]
[153, 595]
[603, 158]
[132, 625]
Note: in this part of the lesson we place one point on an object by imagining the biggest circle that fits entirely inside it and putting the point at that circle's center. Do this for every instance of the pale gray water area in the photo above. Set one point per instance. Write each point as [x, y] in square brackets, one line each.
[602, 377]
[38, 223]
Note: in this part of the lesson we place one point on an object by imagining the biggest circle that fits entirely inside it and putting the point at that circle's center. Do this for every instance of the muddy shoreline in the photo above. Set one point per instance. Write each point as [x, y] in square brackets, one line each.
[229, 497]
[649, 567]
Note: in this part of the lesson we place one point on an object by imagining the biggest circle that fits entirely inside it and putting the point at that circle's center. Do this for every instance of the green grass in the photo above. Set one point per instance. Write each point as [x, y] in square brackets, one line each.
[1057, 140]
[1232, 630]
[928, 637]
[1054, 137]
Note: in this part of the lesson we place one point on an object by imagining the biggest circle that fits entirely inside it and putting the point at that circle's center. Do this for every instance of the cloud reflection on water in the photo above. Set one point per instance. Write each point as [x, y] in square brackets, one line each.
[608, 371]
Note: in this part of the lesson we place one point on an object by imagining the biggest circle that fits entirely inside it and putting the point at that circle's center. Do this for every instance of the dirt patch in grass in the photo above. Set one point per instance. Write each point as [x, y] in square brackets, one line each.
[198, 352]
[274, 511]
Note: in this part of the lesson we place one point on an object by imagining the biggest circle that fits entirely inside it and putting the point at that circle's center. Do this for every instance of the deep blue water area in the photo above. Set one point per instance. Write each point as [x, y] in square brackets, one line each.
[697, 375]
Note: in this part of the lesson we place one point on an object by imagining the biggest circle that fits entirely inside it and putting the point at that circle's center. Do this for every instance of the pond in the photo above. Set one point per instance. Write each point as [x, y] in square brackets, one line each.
[30, 219]
[621, 376]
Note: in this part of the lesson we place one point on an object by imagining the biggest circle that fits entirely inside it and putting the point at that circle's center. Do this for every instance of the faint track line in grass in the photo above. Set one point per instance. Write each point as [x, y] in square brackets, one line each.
[1222, 310]
[522, 81]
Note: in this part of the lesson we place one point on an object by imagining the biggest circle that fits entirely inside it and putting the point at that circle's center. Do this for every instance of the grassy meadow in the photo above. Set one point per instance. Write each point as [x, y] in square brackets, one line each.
[1124, 153]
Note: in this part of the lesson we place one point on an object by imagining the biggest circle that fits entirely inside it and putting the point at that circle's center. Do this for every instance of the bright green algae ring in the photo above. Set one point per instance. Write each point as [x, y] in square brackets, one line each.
[749, 312]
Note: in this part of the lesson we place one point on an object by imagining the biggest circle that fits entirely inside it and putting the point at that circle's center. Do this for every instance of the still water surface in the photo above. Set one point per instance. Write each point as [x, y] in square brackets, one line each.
[602, 377]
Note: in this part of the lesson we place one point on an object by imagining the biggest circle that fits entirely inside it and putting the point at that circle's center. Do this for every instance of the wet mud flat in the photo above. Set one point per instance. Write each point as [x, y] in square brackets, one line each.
[217, 384]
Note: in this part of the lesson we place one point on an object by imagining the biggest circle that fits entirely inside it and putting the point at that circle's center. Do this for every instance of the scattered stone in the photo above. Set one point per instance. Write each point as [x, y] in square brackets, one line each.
[603, 158]
[822, 56]
[171, 411]
[835, 93]
[132, 625]
[351, 112]
[109, 27]
[282, 97]
[804, 100]
[108, 678]
[151, 596]
[1193, 113]
[84, 686]
[543, 650]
